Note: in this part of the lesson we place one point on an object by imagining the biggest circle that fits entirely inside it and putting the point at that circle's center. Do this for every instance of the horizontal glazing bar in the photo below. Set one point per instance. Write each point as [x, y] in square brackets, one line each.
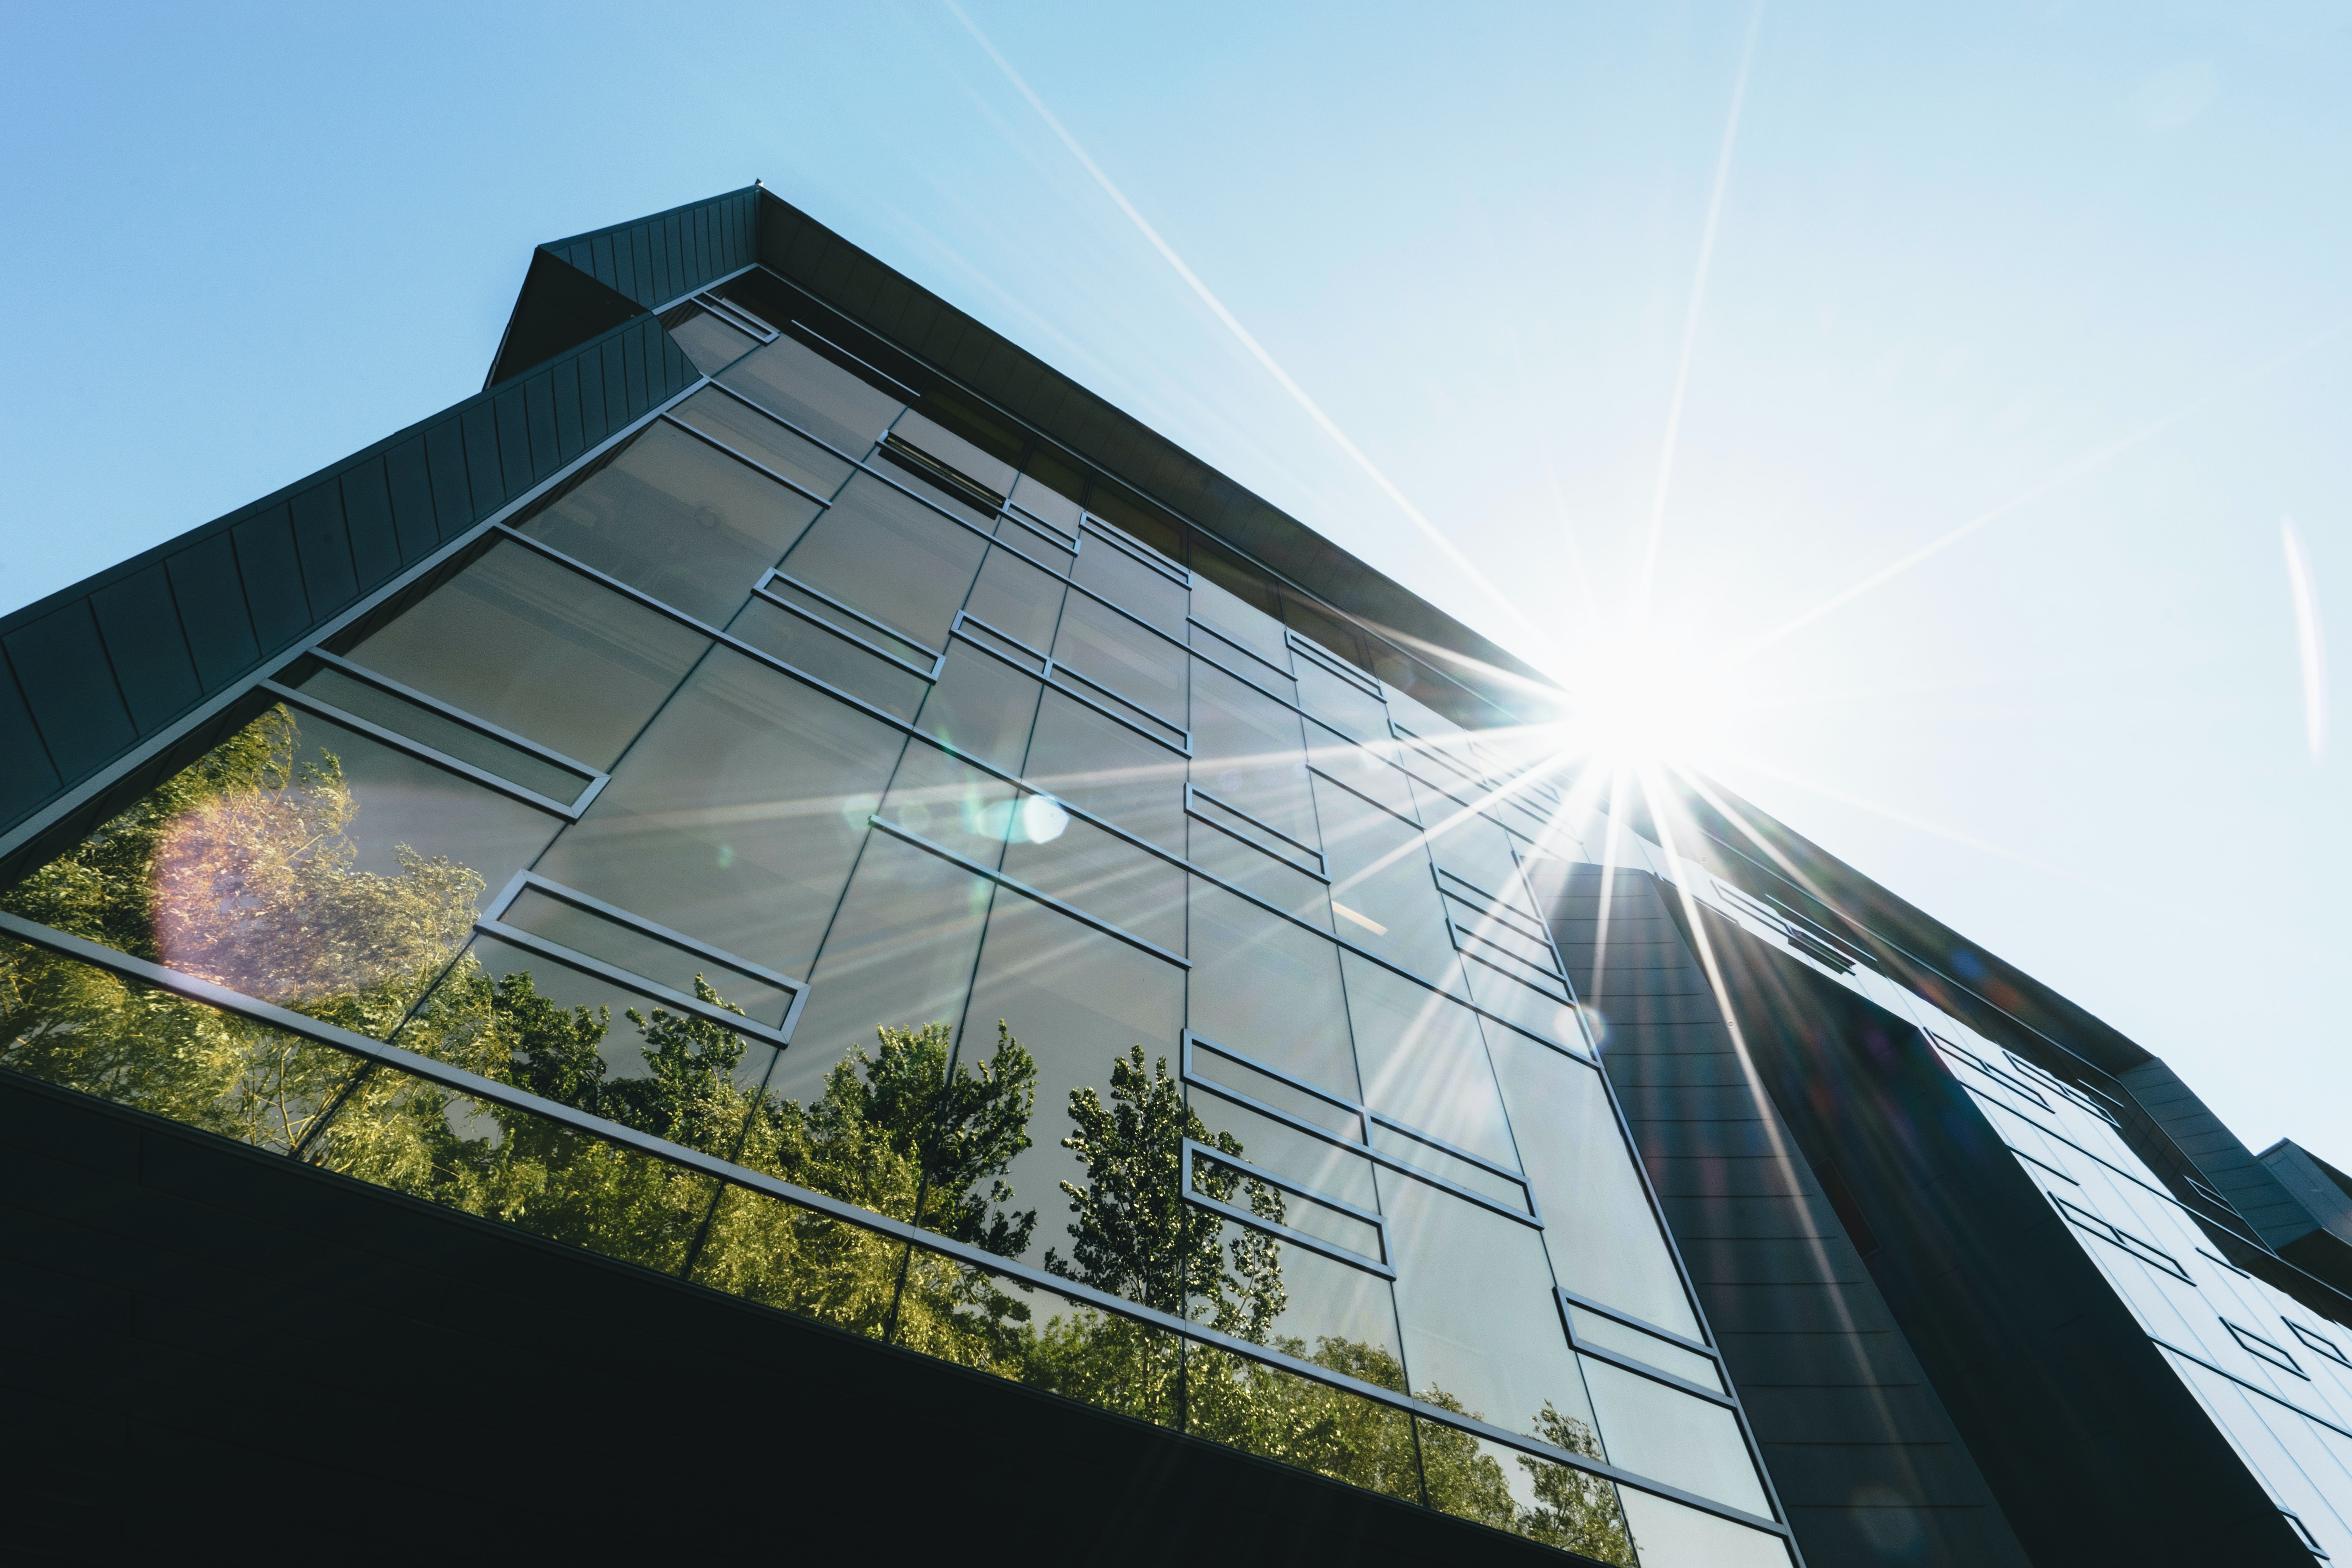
[2270, 1394]
[1643, 1369]
[476, 1087]
[1109, 534]
[2141, 1183]
[1331, 1250]
[568, 811]
[1184, 742]
[708, 439]
[555, 950]
[911, 395]
[1697, 1347]
[483, 726]
[768, 584]
[680, 940]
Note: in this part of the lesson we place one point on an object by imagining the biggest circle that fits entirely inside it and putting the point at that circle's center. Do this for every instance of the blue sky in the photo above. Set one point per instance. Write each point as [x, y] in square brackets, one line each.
[2079, 275]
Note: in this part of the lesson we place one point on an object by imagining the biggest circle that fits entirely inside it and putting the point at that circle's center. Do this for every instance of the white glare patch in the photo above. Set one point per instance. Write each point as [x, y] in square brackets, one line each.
[1043, 820]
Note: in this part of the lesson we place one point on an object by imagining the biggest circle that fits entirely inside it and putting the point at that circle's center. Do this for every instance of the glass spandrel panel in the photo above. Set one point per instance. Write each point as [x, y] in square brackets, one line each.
[1604, 1239]
[982, 706]
[300, 863]
[1255, 630]
[1670, 1535]
[1249, 752]
[762, 439]
[674, 518]
[600, 936]
[67, 1023]
[1018, 599]
[886, 996]
[1213, 1066]
[1070, 858]
[1101, 765]
[828, 645]
[1044, 502]
[954, 804]
[366, 701]
[1342, 704]
[735, 818]
[1673, 1436]
[807, 389]
[1481, 1333]
[1623, 1339]
[1425, 1063]
[1381, 890]
[1101, 1020]
[1269, 990]
[1107, 648]
[880, 551]
[1475, 1478]
[538, 648]
[601, 1047]
[1126, 581]
[711, 343]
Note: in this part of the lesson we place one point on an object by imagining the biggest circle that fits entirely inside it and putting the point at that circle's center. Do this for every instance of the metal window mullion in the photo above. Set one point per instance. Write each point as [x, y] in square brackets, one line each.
[1027, 891]
[448, 711]
[419, 749]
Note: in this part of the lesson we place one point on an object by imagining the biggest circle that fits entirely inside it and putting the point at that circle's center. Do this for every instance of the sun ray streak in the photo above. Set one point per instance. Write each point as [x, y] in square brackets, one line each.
[2079, 466]
[1690, 320]
[1257, 351]
[1903, 818]
[2310, 643]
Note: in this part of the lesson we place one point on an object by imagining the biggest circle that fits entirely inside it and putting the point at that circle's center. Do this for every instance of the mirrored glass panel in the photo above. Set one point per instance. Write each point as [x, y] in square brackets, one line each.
[1424, 1062]
[1673, 1436]
[444, 732]
[1249, 752]
[982, 706]
[1128, 660]
[1263, 986]
[801, 386]
[1504, 1488]
[880, 551]
[1100, 765]
[674, 517]
[737, 424]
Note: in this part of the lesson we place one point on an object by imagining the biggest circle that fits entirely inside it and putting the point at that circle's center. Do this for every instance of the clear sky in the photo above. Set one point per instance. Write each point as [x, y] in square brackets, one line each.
[2079, 276]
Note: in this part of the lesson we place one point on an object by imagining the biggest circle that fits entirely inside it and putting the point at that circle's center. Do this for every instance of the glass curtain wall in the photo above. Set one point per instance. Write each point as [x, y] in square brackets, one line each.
[819, 858]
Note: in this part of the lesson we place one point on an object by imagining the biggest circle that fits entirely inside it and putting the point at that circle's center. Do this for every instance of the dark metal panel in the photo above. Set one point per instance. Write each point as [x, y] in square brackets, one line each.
[140, 627]
[272, 575]
[514, 443]
[596, 418]
[26, 779]
[70, 685]
[563, 390]
[411, 498]
[453, 495]
[607, 272]
[484, 486]
[633, 370]
[324, 548]
[616, 374]
[539, 423]
[213, 611]
[367, 512]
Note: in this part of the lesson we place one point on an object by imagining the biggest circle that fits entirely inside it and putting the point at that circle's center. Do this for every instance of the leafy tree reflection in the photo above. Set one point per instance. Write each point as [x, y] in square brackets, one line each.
[242, 870]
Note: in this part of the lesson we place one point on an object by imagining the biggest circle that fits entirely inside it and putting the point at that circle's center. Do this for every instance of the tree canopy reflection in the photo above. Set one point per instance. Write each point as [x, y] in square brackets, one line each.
[241, 869]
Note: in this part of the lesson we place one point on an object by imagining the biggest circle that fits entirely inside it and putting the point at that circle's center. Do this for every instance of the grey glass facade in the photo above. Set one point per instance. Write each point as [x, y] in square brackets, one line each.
[781, 792]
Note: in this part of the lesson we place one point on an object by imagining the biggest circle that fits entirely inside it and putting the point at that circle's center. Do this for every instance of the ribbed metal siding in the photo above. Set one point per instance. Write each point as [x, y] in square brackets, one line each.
[656, 259]
[87, 673]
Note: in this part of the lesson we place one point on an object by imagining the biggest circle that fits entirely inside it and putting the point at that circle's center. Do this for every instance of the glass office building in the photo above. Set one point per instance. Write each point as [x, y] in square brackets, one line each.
[785, 792]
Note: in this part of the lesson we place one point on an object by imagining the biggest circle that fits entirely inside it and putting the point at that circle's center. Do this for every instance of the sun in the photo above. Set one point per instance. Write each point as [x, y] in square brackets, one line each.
[1641, 702]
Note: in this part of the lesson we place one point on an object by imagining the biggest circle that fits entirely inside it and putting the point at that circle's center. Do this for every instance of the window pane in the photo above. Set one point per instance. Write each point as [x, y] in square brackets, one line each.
[1239, 852]
[1673, 1436]
[1101, 1021]
[879, 550]
[1423, 1062]
[762, 440]
[1219, 651]
[944, 446]
[1467, 844]
[1213, 1065]
[1106, 647]
[1260, 632]
[536, 647]
[1363, 769]
[1102, 766]
[366, 701]
[798, 384]
[1472, 1478]
[1130, 585]
[1533, 1007]
[1048, 550]
[1481, 1332]
[1263, 1410]
[898, 958]
[1380, 886]
[799, 1261]
[1267, 989]
[680, 520]
[1017, 598]
[1042, 500]
[639, 952]
[736, 817]
[810, 641]
[1346, 705]
[1669, 1535]
[1247, 750]
[953, 804]
[1099, 872]
[1071, 1349]
[1592, 1328]
[1282, 1149]
[708, 341]
[982, 706]
[70, 1024]
[584, 1041]
[1603, 1239]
